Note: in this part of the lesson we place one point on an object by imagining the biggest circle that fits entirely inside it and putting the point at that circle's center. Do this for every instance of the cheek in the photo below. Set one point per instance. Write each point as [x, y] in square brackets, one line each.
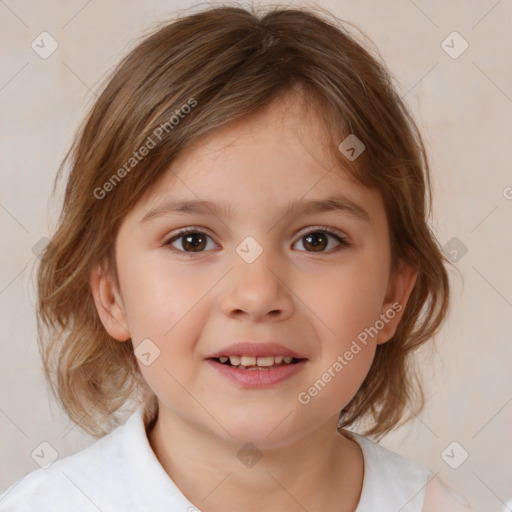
[168, 307]
[159, 299]
[347, 299]
[335, 385]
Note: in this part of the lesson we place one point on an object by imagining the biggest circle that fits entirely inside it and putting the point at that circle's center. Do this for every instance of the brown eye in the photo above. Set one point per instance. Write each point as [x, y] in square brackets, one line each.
[190, 241]
[318, 241]
[193, 242]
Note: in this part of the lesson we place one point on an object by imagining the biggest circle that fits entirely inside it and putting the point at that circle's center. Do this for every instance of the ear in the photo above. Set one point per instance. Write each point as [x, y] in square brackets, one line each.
[400, 286]
[109, 303]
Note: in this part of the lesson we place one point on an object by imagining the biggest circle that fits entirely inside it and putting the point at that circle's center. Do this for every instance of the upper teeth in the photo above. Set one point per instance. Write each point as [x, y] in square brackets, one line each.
[256, 361]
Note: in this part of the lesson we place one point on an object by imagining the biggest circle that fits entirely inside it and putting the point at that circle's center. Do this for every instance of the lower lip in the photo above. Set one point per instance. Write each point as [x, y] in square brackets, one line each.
[257, 378]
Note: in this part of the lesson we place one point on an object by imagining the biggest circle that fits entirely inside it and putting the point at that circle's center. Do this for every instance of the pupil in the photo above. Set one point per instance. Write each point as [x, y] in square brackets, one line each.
[312, 239]
[189, 239]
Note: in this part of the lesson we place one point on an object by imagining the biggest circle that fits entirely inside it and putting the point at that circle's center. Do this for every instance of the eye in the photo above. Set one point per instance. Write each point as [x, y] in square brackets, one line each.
[318, 240]
[192, 240]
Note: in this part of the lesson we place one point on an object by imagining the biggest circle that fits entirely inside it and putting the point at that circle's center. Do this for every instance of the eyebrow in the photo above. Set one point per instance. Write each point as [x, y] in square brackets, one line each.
[330, 204]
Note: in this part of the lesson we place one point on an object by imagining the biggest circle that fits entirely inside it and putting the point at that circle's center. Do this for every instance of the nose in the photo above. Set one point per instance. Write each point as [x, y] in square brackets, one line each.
[258, 291]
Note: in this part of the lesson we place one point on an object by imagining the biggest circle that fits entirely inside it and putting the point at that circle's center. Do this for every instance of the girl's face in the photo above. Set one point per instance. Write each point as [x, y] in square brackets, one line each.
[315, 280]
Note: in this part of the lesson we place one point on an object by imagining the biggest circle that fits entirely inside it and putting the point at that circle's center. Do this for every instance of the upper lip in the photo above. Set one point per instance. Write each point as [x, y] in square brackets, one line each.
[256, 349]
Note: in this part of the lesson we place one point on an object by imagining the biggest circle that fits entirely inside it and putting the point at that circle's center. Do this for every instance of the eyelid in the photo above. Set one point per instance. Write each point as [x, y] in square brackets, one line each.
[178, 233]
[327, 229]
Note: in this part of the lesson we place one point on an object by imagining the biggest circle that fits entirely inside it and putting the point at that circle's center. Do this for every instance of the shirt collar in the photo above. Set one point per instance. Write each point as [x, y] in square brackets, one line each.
[153, 489]
[150, 486]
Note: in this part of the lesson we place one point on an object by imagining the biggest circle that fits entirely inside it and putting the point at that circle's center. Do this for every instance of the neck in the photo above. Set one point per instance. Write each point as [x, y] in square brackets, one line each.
[321, 471]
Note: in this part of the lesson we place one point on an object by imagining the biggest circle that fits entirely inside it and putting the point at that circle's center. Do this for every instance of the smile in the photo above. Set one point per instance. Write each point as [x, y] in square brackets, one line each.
[256, 363]
[257, 372]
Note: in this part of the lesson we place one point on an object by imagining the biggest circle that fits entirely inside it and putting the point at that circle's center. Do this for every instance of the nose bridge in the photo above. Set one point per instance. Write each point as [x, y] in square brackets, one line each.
[256, 284]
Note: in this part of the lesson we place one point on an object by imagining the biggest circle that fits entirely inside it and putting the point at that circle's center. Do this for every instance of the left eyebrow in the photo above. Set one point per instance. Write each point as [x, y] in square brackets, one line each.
[330, 204]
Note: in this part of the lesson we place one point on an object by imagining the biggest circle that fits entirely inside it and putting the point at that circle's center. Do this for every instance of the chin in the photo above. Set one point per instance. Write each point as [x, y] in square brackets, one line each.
[265, 431]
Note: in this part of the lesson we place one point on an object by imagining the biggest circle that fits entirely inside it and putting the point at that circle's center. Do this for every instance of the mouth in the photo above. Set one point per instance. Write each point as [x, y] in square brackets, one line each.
[256, 364]
[261, 363]
[257, 372]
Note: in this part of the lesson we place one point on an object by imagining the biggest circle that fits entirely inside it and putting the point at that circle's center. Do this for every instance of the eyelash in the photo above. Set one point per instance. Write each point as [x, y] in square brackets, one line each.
[321, 229]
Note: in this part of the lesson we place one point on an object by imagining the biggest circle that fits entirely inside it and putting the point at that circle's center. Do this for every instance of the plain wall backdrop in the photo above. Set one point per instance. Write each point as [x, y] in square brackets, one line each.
[462, 101]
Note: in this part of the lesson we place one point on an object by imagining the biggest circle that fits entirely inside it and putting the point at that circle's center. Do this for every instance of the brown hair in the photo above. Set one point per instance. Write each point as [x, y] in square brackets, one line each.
[233, 62]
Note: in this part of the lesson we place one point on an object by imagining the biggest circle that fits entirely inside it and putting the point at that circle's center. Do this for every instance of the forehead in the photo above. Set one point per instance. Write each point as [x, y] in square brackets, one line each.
[276, 156]
[283, 132]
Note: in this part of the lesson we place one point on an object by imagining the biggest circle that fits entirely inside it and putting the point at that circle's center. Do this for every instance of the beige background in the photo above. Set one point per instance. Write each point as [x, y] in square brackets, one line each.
[463, 106]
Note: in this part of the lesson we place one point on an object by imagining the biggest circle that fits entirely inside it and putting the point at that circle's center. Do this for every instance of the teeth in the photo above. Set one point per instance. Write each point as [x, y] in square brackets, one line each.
[254, 362]
[265, 361]
[234, 360]
[247, 361]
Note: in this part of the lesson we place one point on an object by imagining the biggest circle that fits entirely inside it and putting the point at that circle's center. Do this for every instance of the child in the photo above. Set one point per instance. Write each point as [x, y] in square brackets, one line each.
[242, 258]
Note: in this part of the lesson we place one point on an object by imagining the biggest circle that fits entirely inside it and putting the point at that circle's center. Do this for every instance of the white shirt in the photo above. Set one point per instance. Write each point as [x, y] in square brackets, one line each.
[120, 473]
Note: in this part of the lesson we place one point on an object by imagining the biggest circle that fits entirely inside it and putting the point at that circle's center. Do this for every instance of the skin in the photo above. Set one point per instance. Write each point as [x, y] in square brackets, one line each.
[191, 304]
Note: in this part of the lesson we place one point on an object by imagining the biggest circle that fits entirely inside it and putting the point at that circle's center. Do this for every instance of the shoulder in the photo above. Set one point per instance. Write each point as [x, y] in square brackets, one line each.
[118, 472]
[76, 482]
[394, 482]
[440, 497]
[391, 481]
[388, 466]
